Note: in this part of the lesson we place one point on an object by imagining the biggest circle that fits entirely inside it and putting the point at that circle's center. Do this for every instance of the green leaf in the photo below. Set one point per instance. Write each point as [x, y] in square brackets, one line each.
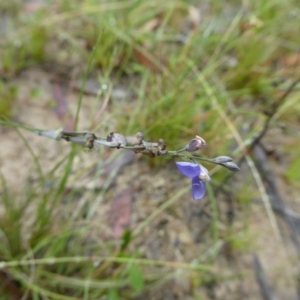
[136, 277]
[126, 238]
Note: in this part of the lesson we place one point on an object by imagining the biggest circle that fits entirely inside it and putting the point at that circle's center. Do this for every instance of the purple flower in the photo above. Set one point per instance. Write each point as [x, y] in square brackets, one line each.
[199, 176]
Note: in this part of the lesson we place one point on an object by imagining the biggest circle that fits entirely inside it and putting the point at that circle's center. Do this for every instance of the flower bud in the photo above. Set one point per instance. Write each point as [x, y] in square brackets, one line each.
[195, 144]
[222, 159]
[231, 166]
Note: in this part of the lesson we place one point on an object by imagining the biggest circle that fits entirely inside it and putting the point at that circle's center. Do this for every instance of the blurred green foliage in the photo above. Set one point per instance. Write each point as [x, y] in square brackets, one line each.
[8, 92]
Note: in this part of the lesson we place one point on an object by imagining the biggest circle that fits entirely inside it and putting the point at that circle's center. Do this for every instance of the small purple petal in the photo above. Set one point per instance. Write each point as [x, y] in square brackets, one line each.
[198, 188]
[188, 169]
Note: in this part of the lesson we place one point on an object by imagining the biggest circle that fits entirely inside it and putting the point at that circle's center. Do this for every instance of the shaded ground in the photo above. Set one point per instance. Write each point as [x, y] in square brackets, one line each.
[181, 232]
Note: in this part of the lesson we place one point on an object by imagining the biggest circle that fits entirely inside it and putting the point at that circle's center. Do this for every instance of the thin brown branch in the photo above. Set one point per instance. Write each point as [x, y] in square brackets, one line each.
[273, 112]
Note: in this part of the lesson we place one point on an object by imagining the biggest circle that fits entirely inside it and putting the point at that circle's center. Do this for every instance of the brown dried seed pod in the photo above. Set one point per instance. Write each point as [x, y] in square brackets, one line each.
[135, 139]
[162, 144]
[117, 138]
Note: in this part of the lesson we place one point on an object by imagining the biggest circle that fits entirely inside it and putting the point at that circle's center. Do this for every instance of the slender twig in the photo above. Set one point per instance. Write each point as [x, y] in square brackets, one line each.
[137, 144]
[265, 288]
[273, 111]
